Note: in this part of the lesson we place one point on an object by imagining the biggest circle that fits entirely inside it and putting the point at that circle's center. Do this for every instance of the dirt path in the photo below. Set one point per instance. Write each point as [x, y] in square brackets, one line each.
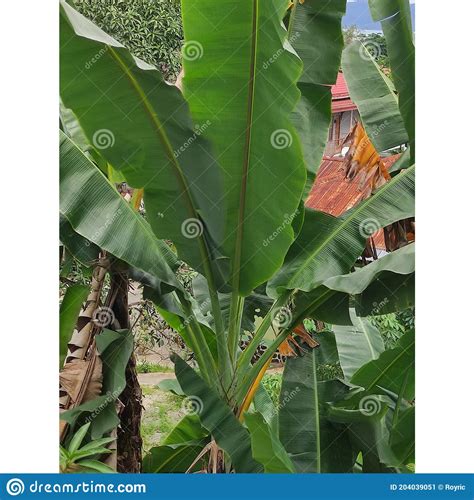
[153, 378]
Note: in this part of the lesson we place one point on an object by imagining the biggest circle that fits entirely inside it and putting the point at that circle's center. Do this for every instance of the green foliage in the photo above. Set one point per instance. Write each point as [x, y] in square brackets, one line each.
[148, 367]
[74, 458]
[392, 326]
[151, 29]
[272, 384]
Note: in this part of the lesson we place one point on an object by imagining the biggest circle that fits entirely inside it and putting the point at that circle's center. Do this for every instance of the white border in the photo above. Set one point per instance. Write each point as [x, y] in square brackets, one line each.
[29, 249]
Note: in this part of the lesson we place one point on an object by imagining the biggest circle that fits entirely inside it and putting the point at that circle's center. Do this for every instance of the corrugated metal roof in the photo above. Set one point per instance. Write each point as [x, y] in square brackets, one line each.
[332, 193]
[340, 96]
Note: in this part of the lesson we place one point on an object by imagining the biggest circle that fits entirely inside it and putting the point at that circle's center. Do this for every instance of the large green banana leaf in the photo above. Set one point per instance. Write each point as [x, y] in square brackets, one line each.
[79, 247]
[357, 344]
[328, 246]
[315, 32]
[266, 447]
[395, 17]
[142, 127]
[240, 77]
[386, 285]
[392, 370]
[95, 210]
[374, 95]
[314, 442]
[217, 418]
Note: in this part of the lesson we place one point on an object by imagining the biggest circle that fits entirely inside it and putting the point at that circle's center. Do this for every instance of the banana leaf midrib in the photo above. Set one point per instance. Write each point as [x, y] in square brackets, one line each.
[167, 147]
[247, 148]
[316, 415]
[345, 222]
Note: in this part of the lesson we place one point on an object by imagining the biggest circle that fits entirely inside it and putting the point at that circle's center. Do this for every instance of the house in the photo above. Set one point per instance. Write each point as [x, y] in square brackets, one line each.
[344, 115]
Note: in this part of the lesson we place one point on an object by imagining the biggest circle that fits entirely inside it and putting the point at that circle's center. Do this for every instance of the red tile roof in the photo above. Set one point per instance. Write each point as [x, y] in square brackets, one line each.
[340, 96]
[334, 194]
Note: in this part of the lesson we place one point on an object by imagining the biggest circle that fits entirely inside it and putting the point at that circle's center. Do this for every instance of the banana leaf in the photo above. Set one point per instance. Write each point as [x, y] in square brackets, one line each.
[375, 98]
[357, 344]
[313, 441]
[96, 211]
[240, 78]
[266, 447]
[328, 246]
[393, 369]
[315, 31]
[142, 127]
[395, 17]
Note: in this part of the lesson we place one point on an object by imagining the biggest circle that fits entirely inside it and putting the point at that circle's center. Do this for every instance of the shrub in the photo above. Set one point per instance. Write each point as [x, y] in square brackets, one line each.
[150, 29]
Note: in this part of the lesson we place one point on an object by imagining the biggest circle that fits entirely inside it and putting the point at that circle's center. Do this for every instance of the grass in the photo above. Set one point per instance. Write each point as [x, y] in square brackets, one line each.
[147, 367]
[162, 412]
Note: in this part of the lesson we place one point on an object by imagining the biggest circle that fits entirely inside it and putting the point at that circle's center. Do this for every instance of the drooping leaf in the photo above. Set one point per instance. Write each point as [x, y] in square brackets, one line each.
[395, 17]
[391, 368]
[328, 246]
[266, 447]
[70, 308]
[315, 32]
[188, 429]
[95, 210]
[172, 385]
[141, 126]
[240, 77]
[384, 286]
[357, 344]
[217, 418]
[81, 248]
[375, 98]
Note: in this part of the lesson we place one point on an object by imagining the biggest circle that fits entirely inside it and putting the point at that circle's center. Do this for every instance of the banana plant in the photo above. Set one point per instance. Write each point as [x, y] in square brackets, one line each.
[225, 166]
